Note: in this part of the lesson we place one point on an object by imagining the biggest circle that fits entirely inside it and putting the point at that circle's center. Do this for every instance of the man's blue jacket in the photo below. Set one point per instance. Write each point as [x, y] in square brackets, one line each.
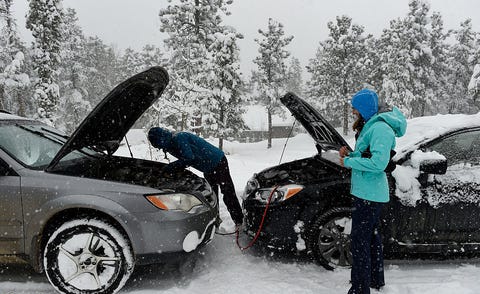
[189, 149]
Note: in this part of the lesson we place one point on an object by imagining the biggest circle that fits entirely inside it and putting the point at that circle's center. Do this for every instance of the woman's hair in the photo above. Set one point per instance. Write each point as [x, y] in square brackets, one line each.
[358, 126]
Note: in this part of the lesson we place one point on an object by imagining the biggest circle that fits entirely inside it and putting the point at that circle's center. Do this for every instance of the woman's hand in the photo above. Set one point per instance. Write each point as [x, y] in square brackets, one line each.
[343, 151]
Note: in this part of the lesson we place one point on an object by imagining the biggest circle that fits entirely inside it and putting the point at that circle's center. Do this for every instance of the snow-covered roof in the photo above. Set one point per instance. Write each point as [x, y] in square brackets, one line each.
[5, 116]
[422, 129]
[255, 118]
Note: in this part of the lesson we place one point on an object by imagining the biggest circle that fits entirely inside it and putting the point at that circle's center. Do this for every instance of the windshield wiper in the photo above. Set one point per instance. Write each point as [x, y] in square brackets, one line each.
[55, 133]
[41, 134]
[56, 140]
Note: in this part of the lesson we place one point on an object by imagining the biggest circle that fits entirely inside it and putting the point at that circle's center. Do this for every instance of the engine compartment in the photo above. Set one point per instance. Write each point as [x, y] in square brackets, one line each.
[301, 171]
[136, 172]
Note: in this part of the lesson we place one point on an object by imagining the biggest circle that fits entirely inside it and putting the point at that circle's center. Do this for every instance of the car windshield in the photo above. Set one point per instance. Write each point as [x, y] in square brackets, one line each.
[35, 145]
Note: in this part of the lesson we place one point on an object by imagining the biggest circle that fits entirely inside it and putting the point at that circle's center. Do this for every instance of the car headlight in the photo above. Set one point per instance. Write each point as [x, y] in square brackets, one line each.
[252, 185]
[282, 193]
[174, 201]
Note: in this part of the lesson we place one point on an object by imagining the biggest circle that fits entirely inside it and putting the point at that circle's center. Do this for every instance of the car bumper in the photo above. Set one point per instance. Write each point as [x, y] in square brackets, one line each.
[165, 236]
[278, 229]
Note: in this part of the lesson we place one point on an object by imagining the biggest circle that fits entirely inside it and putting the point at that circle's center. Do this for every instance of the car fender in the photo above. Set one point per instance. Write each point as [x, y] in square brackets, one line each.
[36, 225]
[325, 202]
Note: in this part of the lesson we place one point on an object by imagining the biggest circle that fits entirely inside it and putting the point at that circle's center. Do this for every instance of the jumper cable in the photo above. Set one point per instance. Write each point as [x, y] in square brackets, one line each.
[259, 227]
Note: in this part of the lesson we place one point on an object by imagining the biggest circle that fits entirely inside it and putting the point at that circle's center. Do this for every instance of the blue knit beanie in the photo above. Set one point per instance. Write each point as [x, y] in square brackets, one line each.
[159, 138]
[366, 102]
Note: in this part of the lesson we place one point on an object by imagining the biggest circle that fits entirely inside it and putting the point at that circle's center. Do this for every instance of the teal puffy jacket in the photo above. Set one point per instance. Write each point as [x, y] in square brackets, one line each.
[369, 180]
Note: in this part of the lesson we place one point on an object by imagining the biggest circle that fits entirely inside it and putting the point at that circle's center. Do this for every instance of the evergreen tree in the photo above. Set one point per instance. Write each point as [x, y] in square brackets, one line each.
[190, 25]
[462, 59]
[148, 57]
[14, 74]
[270, 78]
[73, 74]
[101, 65]
[294, 81]
[339, 69]
[372, 62]
[44, 20]
[152, 56]
[130, 63]
[440, 51]
[407, 61]
[474, 85]
[226, 84]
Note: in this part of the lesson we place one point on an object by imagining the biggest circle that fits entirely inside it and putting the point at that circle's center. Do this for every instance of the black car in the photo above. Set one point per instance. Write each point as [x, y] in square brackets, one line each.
[434, 192]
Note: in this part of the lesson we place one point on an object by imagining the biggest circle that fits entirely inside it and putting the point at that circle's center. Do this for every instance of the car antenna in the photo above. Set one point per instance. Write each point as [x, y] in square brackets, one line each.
[285, 146]
[129, 149]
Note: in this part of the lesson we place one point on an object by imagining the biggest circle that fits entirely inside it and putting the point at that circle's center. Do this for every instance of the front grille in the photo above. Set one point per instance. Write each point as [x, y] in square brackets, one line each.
[208, 193]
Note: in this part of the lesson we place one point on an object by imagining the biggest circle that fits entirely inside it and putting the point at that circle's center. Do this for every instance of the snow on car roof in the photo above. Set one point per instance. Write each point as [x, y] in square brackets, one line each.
[7, 116]
[422, 129]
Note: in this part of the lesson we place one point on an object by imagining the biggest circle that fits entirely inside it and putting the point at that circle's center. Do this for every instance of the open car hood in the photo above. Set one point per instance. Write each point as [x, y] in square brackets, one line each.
[325, 136]
[111, 119]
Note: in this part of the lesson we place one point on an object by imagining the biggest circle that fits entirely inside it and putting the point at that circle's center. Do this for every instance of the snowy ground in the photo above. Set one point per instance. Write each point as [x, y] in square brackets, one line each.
[222, 268]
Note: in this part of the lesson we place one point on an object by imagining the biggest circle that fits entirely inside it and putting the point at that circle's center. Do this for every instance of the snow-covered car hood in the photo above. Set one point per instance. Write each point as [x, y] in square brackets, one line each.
[321, 131]
[423, 129]
[111, 119]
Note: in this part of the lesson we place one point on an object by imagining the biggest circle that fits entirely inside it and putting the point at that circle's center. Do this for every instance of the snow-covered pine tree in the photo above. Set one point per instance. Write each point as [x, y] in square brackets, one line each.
[189, 25]
[73, 106]
[101, 63]
[339, 70]
[44, 20]
[462, 59]
[14, 73]
[294, 81]
[148, 57]
[440, 51]
[152, 56]
[226, 84]
[474, 85]
[407, 61]
[130, 63]
[271, 73]
[373, 74]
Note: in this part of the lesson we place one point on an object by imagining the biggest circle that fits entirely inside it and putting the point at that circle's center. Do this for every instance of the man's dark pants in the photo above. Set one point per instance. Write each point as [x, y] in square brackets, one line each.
[366, 247]
[221, 177]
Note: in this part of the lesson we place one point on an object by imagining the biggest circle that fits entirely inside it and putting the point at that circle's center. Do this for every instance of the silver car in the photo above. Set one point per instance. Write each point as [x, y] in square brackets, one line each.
[71, 208]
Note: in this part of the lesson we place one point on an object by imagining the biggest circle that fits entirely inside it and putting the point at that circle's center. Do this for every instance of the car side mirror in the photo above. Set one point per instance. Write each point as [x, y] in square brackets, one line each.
[434, 166]
[3, 171]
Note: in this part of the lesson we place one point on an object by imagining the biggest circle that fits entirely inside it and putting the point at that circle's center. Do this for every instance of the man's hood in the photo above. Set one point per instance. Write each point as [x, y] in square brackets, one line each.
[160, 138]
[325, 136]
[107, 124]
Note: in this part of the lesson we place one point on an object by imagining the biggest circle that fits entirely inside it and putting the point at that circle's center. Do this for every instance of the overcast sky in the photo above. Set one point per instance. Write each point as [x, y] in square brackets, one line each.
[134, 23]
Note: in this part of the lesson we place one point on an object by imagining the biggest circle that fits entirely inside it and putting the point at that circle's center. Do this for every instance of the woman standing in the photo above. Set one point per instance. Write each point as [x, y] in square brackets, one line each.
[376, 138]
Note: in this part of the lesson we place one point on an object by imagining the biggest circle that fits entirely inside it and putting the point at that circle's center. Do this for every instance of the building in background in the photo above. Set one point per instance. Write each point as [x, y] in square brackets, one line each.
[255, 118]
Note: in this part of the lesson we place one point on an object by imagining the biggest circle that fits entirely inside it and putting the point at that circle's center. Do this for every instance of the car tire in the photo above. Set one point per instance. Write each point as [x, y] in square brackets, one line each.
[328, 239]
[88, 256]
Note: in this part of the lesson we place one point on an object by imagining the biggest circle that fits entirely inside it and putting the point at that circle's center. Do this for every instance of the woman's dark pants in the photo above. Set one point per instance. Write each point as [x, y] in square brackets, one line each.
[366, 247]
[221, 177]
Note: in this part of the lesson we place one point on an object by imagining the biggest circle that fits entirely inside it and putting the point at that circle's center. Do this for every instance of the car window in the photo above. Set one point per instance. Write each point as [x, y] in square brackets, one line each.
[33, 145]
[463, 148]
